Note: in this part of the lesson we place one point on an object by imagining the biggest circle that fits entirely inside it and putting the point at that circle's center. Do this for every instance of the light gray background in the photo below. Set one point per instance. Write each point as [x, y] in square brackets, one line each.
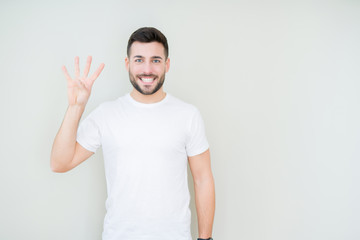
[277, 83]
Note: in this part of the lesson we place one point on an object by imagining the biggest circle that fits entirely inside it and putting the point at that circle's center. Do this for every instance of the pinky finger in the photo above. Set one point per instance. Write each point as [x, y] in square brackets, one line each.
[66, 74]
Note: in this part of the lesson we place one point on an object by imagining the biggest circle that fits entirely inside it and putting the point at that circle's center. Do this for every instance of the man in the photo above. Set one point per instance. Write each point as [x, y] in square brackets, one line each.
[147, 138]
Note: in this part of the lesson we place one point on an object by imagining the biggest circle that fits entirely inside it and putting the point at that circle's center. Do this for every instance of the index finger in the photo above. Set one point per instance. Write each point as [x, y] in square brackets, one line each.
[97, 73]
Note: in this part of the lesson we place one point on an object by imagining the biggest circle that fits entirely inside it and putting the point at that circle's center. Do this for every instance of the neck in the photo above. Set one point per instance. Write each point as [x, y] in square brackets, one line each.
[153, 98]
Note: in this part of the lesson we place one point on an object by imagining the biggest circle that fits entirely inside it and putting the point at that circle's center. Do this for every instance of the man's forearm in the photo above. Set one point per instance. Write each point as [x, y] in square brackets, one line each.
[205, 206]
[64, 144]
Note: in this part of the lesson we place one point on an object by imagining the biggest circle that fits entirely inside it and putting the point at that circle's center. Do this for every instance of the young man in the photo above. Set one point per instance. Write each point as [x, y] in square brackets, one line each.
[147, 136]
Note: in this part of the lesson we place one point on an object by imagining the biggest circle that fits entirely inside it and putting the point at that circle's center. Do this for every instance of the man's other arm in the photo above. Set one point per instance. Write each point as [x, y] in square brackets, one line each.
[204, 192]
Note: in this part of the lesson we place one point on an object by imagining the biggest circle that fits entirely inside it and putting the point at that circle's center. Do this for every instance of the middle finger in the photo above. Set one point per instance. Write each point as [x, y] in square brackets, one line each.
[87, 67]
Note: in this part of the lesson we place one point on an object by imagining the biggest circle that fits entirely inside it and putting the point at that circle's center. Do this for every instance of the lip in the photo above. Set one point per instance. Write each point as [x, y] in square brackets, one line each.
[147, 83]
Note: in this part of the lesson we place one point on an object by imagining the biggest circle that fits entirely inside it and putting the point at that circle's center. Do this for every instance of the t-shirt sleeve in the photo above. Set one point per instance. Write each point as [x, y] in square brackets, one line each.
[88, 133]
[196, 141]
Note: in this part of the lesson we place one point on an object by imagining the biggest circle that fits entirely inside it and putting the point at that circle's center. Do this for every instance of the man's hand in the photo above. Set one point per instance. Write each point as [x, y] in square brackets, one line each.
[79, 88]
[66, 152]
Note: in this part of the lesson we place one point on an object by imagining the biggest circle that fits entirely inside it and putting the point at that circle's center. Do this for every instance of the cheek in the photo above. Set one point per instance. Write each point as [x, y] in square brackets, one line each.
[133, 69]
[161, 69]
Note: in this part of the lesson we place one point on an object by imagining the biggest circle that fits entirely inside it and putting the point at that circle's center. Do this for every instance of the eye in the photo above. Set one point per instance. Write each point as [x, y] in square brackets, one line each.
[138, 60]
[156, 60]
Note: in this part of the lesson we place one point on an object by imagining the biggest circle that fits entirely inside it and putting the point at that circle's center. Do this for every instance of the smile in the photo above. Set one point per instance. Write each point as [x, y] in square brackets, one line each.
[147, 80]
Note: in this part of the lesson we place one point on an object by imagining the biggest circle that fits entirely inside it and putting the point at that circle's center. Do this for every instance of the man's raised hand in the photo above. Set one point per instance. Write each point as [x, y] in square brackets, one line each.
[79, 87]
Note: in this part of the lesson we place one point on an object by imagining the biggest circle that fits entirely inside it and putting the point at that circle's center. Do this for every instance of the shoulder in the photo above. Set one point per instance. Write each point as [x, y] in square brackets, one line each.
[110, 105]
[181, 105]
[104, 108]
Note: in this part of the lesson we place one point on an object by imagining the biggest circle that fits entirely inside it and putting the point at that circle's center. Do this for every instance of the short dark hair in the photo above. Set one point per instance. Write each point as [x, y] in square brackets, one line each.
[147, 35]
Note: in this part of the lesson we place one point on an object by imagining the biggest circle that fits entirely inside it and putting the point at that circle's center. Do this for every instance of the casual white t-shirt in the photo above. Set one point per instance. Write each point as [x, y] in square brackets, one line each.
[145, 149]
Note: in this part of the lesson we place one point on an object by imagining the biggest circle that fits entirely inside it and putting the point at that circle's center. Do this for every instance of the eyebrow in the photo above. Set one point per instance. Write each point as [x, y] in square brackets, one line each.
[139, 56]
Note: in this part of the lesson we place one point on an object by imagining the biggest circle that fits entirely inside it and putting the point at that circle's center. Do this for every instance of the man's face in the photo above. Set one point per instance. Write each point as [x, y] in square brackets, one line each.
[147, 66]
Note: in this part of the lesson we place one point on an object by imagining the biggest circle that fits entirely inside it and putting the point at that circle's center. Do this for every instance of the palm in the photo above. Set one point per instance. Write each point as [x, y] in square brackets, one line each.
[79, 87]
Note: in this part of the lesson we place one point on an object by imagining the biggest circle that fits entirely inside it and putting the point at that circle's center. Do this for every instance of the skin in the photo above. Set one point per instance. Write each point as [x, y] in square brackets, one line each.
[66, 153]
[146, 59]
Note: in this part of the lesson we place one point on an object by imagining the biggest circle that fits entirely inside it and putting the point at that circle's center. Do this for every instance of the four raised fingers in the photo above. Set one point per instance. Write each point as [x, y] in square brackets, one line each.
[86, 71]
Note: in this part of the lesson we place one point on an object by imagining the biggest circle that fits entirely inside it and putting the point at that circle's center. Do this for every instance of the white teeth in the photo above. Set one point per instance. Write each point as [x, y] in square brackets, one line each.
[147, 79]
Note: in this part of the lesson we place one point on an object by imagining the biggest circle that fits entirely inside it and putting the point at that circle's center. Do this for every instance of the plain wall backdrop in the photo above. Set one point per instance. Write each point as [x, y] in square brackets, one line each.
[277, 83]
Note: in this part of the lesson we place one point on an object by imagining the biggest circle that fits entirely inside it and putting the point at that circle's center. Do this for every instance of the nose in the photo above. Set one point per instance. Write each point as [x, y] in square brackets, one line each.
[147, 68]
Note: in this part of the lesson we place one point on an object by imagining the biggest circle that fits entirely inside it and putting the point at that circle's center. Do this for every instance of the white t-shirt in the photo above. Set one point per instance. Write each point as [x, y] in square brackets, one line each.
[145, 149]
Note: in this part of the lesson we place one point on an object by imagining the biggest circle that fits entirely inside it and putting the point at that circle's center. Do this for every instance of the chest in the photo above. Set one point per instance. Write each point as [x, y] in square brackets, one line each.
[148, 131]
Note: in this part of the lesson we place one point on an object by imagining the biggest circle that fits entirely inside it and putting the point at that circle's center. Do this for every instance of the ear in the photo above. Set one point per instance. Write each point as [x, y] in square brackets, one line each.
[127, 63]
[167, 64]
